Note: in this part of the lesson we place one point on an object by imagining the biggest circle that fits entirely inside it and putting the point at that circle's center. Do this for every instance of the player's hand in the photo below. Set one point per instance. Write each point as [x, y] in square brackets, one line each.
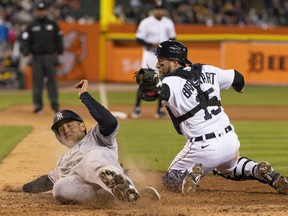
[82, 86]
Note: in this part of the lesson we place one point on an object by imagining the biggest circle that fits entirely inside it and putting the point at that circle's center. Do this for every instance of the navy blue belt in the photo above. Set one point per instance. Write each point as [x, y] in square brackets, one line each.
[210, 135]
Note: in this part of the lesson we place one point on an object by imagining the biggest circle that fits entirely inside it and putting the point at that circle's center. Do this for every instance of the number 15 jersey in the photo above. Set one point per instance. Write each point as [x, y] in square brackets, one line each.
[184, 97]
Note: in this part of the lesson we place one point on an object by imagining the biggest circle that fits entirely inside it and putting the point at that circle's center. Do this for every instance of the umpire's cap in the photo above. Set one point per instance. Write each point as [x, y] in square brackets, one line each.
[173, 50]
[64, 115]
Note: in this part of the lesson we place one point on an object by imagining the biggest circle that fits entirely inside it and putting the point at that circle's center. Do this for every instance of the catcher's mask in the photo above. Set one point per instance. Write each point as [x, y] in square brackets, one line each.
[64, 115]
[173, 50]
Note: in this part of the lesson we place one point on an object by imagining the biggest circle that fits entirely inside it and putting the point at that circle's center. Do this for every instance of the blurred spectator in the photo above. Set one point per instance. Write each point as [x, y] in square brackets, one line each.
[263, 13]
[207, 12]
[16, 14]
[3, 34]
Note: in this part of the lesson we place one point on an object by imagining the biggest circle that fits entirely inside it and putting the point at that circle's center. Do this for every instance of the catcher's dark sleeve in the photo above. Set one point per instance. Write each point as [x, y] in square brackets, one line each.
[107, 122]
[238, 82]
[39, 185]
[165, 92]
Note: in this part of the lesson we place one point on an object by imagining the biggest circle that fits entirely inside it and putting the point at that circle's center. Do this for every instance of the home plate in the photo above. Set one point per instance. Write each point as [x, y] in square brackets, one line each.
[120, 115]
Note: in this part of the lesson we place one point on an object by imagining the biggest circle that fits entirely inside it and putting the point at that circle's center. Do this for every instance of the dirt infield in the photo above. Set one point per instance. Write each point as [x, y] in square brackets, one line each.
[38, 152]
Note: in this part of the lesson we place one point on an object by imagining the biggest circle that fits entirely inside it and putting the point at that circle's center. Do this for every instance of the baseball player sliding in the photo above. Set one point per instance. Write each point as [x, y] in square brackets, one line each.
[91, 166]
[191, 93]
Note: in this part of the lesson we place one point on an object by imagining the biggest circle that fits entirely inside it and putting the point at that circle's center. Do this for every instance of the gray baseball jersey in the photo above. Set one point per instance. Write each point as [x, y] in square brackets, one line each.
[92, 152]
[77, 172]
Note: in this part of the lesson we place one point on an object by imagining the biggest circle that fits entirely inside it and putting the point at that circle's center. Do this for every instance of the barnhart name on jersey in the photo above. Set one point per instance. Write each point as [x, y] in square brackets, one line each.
[183, 86]
[189, 86]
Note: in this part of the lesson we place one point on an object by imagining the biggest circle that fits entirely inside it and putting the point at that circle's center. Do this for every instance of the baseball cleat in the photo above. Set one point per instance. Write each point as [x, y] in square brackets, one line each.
[281, 185]
[160, 114]
[38, 111]
[121, 188]
[189, 184]
[150, 193]
[273, 178]
[136, 114]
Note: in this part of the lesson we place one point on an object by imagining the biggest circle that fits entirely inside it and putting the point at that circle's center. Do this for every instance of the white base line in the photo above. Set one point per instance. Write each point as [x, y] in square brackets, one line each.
[103, 95]
[104, 102]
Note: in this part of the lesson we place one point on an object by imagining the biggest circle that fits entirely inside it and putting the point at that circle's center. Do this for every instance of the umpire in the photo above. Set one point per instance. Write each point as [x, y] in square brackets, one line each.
[42, 41]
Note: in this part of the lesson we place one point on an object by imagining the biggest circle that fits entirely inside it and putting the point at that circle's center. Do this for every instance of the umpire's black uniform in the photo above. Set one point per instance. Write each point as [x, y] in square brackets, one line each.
[43, 39]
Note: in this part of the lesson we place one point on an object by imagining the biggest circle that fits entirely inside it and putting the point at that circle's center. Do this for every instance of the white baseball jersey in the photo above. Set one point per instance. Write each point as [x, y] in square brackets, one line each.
[154, 31]
[218, 152]
[183, 98]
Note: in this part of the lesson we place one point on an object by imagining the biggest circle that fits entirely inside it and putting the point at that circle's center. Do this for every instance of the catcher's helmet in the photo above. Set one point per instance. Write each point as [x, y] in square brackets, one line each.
[64, 115]
[173, 50]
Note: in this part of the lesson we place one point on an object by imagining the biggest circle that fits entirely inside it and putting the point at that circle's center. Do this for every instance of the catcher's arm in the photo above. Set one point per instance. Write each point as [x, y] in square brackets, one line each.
[150, 87]
[238, 82]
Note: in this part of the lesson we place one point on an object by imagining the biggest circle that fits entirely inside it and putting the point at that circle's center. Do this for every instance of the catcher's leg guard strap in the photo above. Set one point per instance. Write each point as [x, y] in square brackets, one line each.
[173, 179]
[245, 169]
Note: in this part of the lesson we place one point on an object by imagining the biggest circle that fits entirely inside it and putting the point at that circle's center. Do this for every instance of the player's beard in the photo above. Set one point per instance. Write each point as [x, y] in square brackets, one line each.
[69, 143]
[71, 140]
[158, 17]
[164, 70]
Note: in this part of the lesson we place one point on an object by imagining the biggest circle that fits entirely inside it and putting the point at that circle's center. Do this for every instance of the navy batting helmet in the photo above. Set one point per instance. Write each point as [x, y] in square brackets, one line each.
[173, 50]
[64, 115]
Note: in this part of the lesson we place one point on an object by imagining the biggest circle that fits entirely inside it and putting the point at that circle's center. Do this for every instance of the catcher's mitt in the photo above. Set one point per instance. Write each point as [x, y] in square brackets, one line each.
[149, 84]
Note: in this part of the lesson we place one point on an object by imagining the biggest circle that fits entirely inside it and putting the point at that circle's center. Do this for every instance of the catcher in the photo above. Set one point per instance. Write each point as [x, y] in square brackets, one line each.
[90, 168]
[191, 94]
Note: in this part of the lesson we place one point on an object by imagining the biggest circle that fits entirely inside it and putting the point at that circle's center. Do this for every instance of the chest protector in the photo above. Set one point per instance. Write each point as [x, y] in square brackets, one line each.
[204, 101]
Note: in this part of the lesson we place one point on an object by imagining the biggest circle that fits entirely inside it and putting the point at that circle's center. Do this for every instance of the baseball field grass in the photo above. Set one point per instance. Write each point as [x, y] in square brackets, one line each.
[151, 144]
[253, 96]
[10, 136]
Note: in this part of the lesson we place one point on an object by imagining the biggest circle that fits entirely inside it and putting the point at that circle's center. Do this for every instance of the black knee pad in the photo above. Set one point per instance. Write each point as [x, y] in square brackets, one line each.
[173, 179]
